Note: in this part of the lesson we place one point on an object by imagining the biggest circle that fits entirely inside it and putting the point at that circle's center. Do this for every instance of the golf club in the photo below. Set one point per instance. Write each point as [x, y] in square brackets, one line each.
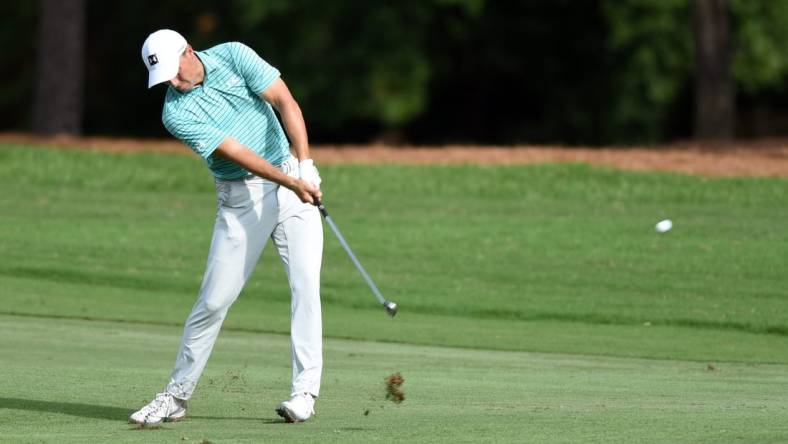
[391, 307]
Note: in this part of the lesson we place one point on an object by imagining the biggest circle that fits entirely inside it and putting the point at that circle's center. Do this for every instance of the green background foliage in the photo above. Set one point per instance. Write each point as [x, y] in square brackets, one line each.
[432, 71]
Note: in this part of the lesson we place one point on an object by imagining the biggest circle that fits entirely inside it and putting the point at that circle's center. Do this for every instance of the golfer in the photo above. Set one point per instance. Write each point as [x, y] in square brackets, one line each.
[220, 102]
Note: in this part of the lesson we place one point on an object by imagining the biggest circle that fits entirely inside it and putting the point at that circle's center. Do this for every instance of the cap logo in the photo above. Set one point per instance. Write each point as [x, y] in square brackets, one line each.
[152, 59]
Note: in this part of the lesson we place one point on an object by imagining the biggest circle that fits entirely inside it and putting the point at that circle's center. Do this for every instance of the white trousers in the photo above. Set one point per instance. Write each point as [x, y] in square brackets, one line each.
[250, 211]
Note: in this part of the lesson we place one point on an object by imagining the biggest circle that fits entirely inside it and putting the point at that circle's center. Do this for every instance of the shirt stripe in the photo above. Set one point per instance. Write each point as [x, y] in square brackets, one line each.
[228, 104]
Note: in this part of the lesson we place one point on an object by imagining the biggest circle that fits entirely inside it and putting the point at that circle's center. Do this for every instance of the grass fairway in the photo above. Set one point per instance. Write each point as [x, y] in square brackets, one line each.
[75, 381]
[537, 304]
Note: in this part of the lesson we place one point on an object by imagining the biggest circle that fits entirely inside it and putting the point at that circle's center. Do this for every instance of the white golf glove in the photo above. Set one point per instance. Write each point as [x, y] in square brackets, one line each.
[308, 172]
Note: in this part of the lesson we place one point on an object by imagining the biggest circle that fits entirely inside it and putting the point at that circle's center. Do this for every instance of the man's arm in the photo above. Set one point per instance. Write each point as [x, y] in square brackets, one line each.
[233, 150]
[278, 95]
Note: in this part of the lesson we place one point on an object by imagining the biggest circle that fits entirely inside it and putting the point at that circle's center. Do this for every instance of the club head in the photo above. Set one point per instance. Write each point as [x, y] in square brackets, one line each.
[391, 308]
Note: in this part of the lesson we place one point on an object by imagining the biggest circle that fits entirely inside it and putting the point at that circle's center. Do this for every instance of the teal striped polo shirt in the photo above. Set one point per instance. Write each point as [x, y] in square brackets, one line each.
[227, 104]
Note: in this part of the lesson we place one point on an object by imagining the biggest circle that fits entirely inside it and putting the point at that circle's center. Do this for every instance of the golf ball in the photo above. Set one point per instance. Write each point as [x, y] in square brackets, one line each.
[664, 226]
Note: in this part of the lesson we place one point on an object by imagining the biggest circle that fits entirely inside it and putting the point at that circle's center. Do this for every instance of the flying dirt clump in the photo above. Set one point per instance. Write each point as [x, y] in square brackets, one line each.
[394, 388]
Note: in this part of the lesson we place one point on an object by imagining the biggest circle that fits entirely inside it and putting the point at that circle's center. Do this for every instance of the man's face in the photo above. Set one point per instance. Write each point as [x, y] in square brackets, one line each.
[188, 73]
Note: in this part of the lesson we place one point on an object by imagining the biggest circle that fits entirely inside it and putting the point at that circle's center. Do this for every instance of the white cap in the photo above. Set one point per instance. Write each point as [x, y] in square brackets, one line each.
[161, 54]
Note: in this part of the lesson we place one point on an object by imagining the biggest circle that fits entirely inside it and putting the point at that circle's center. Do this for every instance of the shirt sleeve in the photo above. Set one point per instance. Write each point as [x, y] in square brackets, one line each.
[202, 138]
[257, 73]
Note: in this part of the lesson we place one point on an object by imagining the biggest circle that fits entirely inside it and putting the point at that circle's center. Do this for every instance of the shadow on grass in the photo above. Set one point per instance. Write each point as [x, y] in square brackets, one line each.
[67, 408]
[100, 411]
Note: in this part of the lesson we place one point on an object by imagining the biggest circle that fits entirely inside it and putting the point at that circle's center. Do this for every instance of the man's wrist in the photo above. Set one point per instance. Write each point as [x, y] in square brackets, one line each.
[301, 153]
[290, 182]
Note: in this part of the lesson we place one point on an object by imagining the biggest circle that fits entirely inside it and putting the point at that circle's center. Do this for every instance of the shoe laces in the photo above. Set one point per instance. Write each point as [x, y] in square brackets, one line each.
[161, 401]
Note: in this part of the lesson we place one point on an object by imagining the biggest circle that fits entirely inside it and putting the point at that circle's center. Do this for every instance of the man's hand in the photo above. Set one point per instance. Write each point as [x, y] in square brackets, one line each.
[308, 172]
[305, 190]
[230, 149]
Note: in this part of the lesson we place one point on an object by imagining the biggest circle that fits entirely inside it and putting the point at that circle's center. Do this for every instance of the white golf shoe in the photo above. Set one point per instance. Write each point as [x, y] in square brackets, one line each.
[164, 407]
[298, 409]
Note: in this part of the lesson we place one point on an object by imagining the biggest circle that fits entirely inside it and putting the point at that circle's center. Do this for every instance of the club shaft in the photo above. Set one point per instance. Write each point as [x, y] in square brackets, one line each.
[353, 258]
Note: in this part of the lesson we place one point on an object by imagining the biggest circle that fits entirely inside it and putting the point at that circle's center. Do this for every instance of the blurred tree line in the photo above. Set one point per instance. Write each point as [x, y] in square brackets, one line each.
[423, 71]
